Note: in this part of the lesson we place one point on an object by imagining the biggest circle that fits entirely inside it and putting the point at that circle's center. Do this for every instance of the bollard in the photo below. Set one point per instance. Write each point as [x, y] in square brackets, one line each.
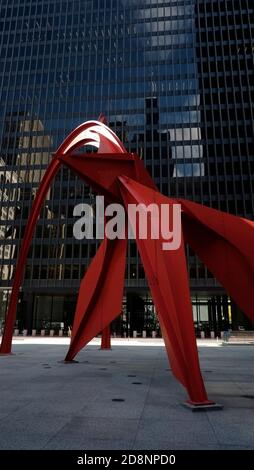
[33, 332]
[42, 332]
[212, 335]
[24, 332]
[16, 332]
[51, 332]
[154, 334]
[60, 333]
[135, 334]
[143, 334]
[202, 335]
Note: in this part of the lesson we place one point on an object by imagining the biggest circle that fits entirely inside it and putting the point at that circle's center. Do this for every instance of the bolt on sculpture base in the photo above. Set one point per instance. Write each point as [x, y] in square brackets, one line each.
[222, 241]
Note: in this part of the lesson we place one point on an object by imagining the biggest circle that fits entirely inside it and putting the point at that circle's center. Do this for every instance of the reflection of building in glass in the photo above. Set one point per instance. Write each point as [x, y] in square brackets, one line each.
[26, 147]
[32, 163]
[154, 144]
[177, 91]
[9, 195]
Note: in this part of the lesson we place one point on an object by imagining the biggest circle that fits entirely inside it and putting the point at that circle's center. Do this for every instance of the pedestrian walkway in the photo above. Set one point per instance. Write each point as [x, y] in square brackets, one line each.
[124, 398]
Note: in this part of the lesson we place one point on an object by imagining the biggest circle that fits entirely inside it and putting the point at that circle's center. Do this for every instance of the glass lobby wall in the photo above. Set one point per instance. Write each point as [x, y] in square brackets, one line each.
[53, 312]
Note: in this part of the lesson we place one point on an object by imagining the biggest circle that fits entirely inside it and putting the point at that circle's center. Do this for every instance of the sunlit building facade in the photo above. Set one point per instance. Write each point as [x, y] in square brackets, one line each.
[175, 80]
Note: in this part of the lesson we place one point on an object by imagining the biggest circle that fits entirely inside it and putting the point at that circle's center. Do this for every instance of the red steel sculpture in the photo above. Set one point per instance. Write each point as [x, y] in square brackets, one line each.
[222, 241]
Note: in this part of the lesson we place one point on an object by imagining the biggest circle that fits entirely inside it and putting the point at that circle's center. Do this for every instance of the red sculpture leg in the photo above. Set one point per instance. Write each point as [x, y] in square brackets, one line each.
[225, 244]
[168, 280]
[21, 262]
[100, 294]
[105, 339]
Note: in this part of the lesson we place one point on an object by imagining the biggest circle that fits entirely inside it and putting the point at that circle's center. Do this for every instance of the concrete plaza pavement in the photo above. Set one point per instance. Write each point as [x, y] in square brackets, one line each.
[46, 404]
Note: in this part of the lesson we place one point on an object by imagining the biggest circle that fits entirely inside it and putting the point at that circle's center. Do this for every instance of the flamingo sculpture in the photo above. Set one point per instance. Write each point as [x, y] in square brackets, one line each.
[222, 241]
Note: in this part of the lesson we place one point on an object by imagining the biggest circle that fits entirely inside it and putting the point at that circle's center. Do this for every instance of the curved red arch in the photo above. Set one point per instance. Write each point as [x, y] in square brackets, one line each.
[85, 134]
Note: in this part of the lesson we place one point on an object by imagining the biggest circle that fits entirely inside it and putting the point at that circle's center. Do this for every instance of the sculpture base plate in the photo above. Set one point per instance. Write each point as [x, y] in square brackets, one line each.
[68, 362]
[199, 407]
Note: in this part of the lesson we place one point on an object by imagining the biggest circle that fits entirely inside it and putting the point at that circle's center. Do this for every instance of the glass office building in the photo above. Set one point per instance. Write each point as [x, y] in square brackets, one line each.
[175, 80]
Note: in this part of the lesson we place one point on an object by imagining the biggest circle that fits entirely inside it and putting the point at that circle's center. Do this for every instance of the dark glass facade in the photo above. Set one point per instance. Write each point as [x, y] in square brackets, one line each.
[175, 80]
